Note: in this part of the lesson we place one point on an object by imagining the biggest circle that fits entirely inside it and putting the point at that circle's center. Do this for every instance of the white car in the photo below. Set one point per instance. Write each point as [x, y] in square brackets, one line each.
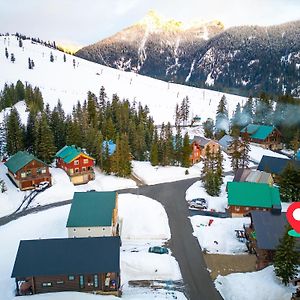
[199, 203]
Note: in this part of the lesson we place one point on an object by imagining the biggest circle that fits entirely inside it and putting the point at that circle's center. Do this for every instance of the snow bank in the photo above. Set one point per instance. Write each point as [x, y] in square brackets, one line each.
[219, 237]
[214, 203]
[261, 285]
[256, 153]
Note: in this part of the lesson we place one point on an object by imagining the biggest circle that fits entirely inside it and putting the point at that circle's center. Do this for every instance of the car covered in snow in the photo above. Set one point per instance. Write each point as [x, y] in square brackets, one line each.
[158, 250]
[42, 186]
[198, 203]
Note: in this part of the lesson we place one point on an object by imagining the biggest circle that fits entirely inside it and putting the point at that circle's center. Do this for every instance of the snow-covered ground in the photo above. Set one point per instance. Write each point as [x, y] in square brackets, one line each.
[134, 265]
[214, 203]
[256, 153]
[61, 189]
[60, 80]
[261, 285]
[219, 237]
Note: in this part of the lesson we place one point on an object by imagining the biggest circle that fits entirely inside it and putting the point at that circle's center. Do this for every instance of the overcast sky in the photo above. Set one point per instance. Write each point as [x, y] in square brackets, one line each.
[87, 21]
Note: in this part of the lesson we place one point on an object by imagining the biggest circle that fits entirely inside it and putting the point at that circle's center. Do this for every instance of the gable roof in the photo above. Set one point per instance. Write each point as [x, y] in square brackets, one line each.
[111, 147]
[225, 141]
[20, 160]
[248, 175]
[90, 209]
[276, 165]
[201, 141]
[253, 194]
[259, 132]
[69, 153]
[67, 256]
[269, 229]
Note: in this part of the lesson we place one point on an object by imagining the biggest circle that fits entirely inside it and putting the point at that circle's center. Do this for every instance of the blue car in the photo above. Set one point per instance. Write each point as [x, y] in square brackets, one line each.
[158, 250]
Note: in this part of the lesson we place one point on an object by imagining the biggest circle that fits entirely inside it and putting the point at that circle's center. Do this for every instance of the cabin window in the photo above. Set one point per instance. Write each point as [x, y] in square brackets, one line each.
[28, 172]
[71, 171]
[60, 282]
[81, 281]
[76, 162]
[23, 174]
[83, 169]
[44, 170]
[74, 229]
[237, 208]
[96, 282]
[76, 170]
[41, 170]
[46, 284]
[247, 208]
[85, 161]
[71, 277]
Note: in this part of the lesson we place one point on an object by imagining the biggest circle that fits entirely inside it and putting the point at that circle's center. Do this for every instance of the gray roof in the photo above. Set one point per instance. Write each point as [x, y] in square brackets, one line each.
[241, 175]
[269, 228]
[67, 256]
[248, 175]
[202, 141]
[225, 141]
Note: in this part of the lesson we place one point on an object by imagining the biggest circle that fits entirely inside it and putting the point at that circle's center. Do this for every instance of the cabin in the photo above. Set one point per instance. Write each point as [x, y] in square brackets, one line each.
[225, 142]
[246, 196]
[76, 163]
[56, 265]
[199, 147]
[265, 136]
[263, 235]
[27, 171]
[93, 214]
[276, 165]
[110, 146]
[196, 121]
[248, 175]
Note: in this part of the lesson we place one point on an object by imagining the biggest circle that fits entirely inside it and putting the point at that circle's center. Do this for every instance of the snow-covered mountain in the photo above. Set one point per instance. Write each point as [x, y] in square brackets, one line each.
[61, 80]
[244, 59]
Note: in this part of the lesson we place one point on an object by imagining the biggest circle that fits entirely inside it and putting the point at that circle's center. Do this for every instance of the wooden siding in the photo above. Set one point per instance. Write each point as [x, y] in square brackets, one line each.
[199, 152]
[272, 142]
[34, 177]
[239, 211]
[59, 283]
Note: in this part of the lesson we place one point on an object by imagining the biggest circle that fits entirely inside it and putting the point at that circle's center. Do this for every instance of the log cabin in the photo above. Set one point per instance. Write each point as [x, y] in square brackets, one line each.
[93, 214]
[27, 171]
[55, 265]
[199, 147]
[76, 163]
[246, 196]
[263, 235]
[265, 136]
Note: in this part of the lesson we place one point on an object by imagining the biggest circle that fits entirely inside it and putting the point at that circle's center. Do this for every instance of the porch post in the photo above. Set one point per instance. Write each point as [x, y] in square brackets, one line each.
[17, 287]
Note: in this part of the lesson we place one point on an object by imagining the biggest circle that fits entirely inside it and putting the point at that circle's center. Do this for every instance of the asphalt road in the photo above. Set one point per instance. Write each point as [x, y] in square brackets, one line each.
[183, 244]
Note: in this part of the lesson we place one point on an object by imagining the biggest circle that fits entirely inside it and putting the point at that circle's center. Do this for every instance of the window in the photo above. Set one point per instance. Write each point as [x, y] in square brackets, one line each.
[83, 169]
[28, 172]
[60, 282]
[71, 171]
[96, 283]
[74, 229]
[237, 208]
[76, 162]
[23, 175]
[44, 170]
[85, 161]
[71, 277]
[76, 170]
[81, 281]
[46, 284]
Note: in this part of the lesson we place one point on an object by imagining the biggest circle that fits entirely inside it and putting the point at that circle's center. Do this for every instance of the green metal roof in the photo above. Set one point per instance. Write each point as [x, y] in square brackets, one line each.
[253, 194]
[90, 209]
[69, 153]
[259, 132]
[20, 160]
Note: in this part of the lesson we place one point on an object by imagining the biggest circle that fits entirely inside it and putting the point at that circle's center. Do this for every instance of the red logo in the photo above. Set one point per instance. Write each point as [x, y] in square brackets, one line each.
[293, 217]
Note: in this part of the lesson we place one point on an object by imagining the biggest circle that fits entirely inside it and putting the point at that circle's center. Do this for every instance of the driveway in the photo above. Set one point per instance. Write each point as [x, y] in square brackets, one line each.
[183, 244]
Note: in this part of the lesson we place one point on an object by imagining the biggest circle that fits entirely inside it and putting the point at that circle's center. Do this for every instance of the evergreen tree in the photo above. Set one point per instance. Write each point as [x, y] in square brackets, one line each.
[6, 53]
[74, 63]
[91, 110]
[30, 132]
[93, 144]
[208, 127]
[58, 125]
[247, 113]
[12, 58]
[289, 183]
[51, 57]
[178, 146]
[186, 152]
[154, 154]
[295, 142]
[20, 91]
[286, 258]
[20, 43]
[222, 120]
[102, 97]
[245, 150]
[106, 159]
[236, 118]
[235, 153]
[65, 58]
[44, 147]
[29, 63]
[15, 133]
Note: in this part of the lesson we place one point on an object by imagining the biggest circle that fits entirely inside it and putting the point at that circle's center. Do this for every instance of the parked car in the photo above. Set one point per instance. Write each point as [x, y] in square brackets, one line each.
[42, 185]
[199, 203]
[158, 250]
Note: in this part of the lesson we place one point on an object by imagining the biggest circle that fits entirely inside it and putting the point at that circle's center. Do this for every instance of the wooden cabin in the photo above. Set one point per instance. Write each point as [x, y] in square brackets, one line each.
[265, 136]
[93, 214]
[56, 265]
[78, 165]
[263, 235]
[246, 196]
[199, 147]
[27, 171]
